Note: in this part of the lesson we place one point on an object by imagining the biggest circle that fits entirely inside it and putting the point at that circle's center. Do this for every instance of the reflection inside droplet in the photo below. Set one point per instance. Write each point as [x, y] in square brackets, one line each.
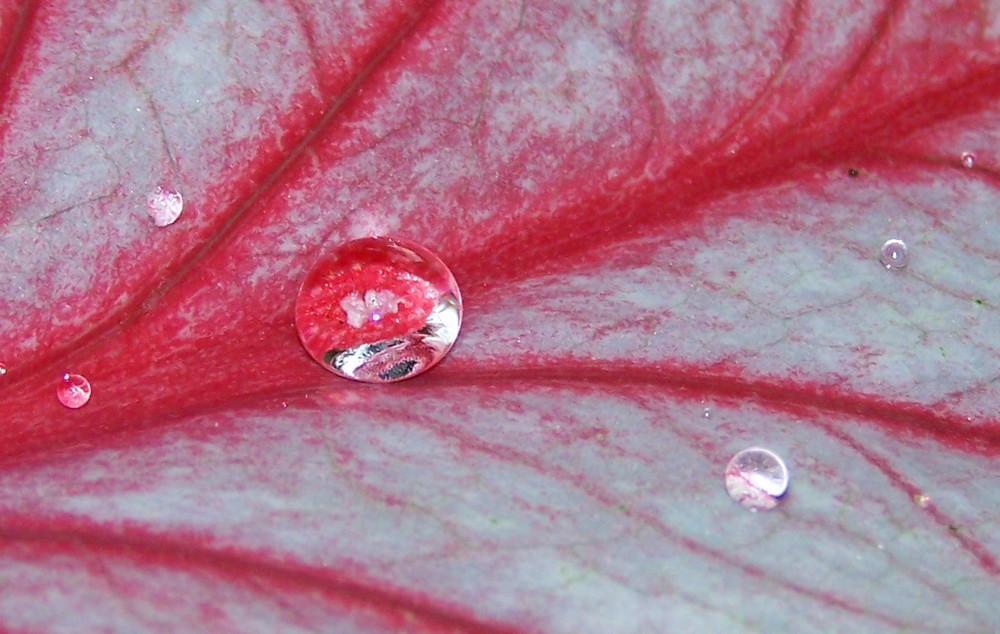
[164, 206]
[398, 358]
[968, 160]
[756, 478]
[379, 310]
[893, 254]
[73, 391]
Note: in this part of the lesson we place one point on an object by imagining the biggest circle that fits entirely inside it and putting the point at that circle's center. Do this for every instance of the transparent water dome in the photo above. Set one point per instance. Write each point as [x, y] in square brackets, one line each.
[164, 206]
[894, 254]
[378, 310]
[756, 478]
[73, 391]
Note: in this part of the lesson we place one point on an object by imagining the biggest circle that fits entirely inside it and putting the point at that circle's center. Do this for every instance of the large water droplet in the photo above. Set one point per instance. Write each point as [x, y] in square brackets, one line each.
[893, 254]
[164, 206]
[73, 391]
[379, 310]
[968, 159]
[756, 478]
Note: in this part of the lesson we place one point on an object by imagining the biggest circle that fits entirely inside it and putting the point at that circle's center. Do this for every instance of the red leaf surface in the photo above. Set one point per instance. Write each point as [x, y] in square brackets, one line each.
[664, 259]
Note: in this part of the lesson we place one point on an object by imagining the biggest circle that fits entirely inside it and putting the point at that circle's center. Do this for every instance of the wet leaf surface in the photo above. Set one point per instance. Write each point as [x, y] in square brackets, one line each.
[665, 220]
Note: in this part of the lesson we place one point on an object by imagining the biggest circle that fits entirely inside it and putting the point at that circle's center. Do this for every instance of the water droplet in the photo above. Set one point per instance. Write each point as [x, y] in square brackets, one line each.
[968, 159]
[706, 413]
[922, 500]
[853, 173]
[3, 369]
[73, 391]
[164, 206]
[379, 310]
[756, 478]
[893, 254]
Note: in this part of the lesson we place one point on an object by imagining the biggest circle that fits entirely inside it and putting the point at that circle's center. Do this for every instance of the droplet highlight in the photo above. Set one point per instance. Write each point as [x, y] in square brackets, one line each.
[3, 369]
[164, 206]
[968, 160]
[73, 391]
[756, 478]
[893, 254]
[379, 310]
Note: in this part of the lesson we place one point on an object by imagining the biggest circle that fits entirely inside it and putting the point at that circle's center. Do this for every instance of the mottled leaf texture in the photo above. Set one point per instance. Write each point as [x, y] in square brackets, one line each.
[665, 217]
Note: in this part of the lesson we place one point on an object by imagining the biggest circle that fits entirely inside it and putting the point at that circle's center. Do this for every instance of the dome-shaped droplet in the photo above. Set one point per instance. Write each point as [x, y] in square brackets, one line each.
[756, 478]
[73, 391]
[968, 160]
[164, 206]
[3, 369]
[378, 310]
[893, 254]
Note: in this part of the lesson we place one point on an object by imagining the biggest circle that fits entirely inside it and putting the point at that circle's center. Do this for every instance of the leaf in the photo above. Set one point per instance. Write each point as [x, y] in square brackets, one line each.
[665, 220]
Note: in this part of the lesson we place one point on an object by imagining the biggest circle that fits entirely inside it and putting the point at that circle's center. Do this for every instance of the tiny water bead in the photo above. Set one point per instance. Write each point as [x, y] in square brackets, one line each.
[3, 369]
[378, 310]
[756, 478]
[893, 254]
[73, 391]
[164, 206]
[968, 160]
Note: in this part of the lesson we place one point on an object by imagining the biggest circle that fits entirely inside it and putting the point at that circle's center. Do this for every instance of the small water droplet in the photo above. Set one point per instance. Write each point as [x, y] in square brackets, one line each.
[853, 173]
[922, 500]
[164, 206]
[378, 310]
[756, 478]
[706, 413]
[893, 254]
[73, 391]
[968, 159]
[3, 369]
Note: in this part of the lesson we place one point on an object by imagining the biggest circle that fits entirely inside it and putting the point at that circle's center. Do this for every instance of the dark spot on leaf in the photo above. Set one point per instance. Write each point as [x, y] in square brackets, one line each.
[853, 173]
[978, 301]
